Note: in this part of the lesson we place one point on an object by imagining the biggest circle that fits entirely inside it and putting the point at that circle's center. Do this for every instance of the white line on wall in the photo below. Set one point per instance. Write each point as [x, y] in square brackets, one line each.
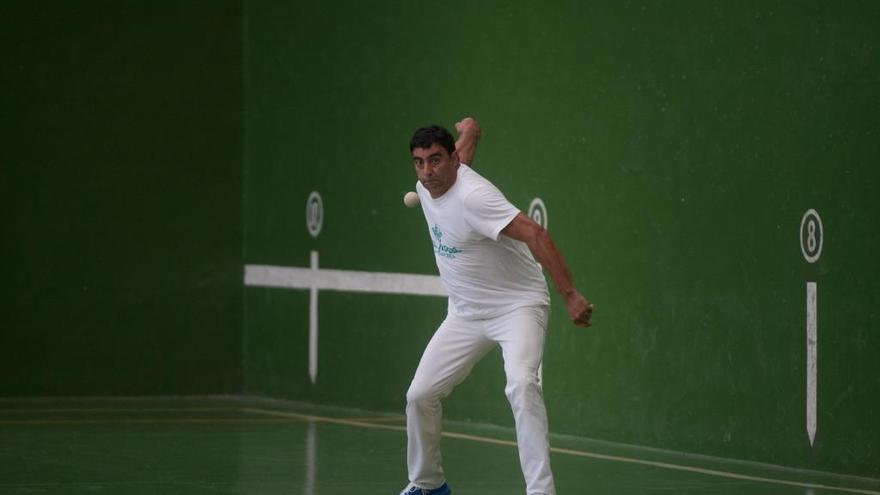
[313, 323]
[343, 280]
[314, 279]
[812, 360]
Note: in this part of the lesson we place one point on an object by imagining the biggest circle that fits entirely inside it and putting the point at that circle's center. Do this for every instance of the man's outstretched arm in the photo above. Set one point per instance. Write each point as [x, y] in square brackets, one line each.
[468, 135]
[523, 228]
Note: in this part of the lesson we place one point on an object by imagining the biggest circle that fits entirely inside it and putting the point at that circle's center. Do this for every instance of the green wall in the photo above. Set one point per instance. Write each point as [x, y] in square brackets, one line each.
[676, 146]
[121, 191]
[146, 156]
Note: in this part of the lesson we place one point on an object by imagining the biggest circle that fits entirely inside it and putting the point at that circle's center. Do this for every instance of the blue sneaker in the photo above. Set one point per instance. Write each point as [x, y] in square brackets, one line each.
[414, 490]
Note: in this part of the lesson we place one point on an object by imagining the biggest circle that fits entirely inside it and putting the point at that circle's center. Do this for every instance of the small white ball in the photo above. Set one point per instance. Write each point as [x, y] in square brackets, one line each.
[411, 199]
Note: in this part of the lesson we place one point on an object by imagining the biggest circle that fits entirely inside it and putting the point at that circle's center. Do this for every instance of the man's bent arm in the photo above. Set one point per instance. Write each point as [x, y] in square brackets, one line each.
[523, 228]
[468, 135]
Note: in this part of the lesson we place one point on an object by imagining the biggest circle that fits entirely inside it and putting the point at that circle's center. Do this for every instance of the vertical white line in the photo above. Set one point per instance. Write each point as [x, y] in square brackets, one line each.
[313, 324]
[309, 488]
[812, 361]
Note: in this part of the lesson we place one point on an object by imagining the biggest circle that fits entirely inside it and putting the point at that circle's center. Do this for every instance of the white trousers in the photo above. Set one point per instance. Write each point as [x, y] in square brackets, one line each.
[449, 357]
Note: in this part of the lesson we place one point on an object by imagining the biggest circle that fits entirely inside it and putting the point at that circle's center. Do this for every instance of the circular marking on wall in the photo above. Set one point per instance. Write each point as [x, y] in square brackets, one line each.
[812, 236]
[314, 213]
[538, 212]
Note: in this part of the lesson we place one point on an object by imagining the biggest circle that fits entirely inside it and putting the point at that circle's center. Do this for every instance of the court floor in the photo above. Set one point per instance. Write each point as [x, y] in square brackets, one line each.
[231, 445]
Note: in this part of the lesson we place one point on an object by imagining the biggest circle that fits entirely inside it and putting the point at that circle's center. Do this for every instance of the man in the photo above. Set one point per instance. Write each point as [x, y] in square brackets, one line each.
[486, 252]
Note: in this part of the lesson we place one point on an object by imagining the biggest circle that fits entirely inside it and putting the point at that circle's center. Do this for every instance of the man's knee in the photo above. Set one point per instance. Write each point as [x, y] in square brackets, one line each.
[522, 385]
[420, 393]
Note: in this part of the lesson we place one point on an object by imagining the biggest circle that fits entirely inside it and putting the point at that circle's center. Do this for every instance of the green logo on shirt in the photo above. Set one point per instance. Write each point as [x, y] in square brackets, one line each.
[440, 248]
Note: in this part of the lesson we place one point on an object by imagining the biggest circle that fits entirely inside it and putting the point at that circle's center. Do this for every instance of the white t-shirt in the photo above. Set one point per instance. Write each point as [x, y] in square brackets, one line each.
[486, 274]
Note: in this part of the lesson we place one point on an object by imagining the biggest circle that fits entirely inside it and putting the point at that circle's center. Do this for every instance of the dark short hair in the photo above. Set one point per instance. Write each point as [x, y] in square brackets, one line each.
[427, 136]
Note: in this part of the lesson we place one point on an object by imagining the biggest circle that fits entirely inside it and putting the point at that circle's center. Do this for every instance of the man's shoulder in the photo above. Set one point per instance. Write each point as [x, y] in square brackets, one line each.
[480, 194]
[472, 180]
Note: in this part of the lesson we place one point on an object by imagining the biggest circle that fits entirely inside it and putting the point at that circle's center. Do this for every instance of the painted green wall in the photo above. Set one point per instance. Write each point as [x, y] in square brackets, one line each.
[676, 148]
[676, 145]
[121, 191]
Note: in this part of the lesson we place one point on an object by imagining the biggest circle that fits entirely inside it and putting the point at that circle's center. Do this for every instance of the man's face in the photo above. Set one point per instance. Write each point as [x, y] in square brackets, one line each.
[435, 168]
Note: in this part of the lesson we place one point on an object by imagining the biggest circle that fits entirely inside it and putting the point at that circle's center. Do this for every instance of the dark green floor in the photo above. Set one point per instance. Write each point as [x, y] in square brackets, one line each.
[251, 446]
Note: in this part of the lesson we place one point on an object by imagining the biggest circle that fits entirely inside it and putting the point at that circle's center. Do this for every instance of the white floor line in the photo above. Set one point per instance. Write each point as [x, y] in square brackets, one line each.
[142, 421]
[572, 452]
[125, 409]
